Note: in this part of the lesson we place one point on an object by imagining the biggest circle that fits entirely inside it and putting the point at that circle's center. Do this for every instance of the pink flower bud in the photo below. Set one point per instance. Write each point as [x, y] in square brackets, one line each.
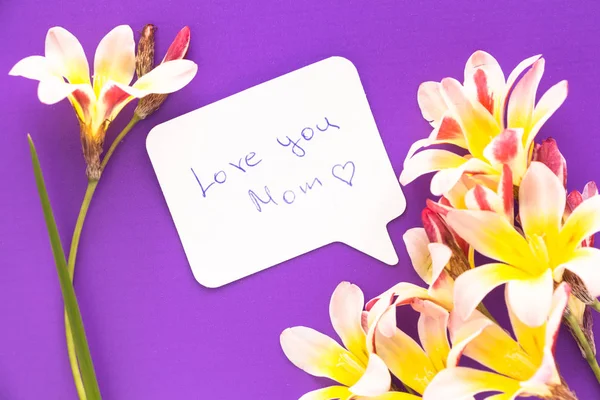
[549, 154]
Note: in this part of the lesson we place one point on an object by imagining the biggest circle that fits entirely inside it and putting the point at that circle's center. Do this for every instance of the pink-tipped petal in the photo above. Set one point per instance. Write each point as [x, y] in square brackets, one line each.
[449, 131]
[180, 45]
[376, 379]
[484, 80]
[168, 77]
[522, 98]
[472, 286]
[66, 56]
[530, 299]
[433, 331]
[507, 148]
[583, 222]
[115, 58]
[476, 122]
[541, 202]
[546, 107]
[482, 198]
[345, 311]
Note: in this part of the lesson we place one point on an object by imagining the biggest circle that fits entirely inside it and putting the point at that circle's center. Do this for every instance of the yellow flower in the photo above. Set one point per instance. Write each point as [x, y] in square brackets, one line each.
[362, 374]
[535, 350]
[472, 116]
[530, 262]
[64, 73]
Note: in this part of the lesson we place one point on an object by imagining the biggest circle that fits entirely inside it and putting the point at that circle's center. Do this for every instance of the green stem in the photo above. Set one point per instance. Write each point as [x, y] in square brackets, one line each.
[80, 343]
[595, 305]
[584, 344]
[85, 205]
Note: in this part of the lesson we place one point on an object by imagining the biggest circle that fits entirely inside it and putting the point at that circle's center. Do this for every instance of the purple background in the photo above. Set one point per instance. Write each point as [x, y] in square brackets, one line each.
[154, 332]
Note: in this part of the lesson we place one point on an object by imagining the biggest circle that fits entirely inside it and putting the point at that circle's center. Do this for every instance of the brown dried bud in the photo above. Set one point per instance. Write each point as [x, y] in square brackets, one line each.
[144, 60]
[578, 287]
[561, 392]
[92, 144]
[583, 316]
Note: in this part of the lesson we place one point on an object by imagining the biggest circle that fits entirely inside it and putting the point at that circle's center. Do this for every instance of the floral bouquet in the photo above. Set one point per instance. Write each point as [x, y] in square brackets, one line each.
[502, 217]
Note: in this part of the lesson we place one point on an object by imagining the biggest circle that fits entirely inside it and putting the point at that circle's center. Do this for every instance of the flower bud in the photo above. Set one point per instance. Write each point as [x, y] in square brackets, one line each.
[583, 316]
[549, 154]
[145, 63]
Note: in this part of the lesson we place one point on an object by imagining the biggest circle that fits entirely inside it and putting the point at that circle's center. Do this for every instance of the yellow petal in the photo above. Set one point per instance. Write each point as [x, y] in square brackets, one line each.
[585, 263]
[584, 221]
[493, 236]
[545, 108]
[429, 161]
[522, 98]
[462, 383]
[433, 331]
[319, 355]
[389, 396]
[406, 359]
[487, 343]
[115, 58]
[328, 393]
[530, 298]
[473, 285]
[345, 311]
[477, 123]
[66, 56]
[542, 201]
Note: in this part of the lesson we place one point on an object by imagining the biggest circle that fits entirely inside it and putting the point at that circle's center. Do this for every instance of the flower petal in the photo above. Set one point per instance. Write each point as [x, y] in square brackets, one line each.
[530, 299]
[328, 393]
[66, 56]
[446, 179]
[545, 108]
[531, 339]
[375, 381]
[549, 154]
[448, 131]
[115, 58]
[541, 202]
[51, 91]
[433, 331]
[478, 125]
[491, 235]
[431, 102]
[168, 77]
[585, 263]
[319, 355]
[490, 345]
[507, 148]
[462, 383]
[405, 358]
[34, 67]
[584, 221]
[390, 396]
[111, 100]
[482, 198]
[506, 193]
[345, 311]
[522, 98]
[428, 161]
[416, 241]
[472, 286]
[484, 80]
[180, 45]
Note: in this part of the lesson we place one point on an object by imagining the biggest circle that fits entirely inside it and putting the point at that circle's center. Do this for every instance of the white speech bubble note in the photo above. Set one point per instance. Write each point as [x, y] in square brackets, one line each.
[276, 171]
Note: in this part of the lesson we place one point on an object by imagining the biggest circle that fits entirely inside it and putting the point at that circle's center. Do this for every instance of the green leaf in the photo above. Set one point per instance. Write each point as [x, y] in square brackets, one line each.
[81, 346]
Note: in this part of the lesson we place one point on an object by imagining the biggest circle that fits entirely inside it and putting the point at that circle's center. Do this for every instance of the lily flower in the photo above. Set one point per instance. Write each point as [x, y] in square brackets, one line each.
[472, 116]
[359, 373]
[542, 380]
[529, 262]
[64, 73]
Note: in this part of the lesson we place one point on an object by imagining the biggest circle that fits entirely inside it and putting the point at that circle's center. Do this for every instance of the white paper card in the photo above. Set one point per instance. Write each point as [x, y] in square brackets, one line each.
[276, 171]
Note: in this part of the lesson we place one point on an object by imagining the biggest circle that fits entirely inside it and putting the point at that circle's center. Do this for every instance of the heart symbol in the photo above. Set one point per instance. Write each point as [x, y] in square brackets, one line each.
[344, 174]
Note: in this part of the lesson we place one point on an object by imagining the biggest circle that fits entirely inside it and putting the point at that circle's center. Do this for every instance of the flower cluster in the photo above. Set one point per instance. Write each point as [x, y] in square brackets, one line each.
[506, 201]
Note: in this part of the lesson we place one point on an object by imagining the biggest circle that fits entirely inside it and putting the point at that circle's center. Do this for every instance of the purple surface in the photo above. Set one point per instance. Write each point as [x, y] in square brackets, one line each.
[154, 332]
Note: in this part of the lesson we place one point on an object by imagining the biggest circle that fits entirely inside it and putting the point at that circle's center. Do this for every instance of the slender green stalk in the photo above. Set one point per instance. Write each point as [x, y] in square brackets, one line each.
[596, 305]
[584, 344]
[85, 205]
[88, 374]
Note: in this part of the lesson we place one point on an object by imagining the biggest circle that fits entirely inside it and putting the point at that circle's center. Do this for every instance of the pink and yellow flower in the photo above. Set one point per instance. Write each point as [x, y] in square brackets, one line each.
[64, 73]
[361, 374]
[529, 262]
[534, 351]
[472, 116]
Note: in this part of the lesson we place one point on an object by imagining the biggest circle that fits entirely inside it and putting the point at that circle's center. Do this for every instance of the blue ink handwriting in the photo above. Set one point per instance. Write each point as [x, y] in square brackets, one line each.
[306, 134]
[344, 173]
